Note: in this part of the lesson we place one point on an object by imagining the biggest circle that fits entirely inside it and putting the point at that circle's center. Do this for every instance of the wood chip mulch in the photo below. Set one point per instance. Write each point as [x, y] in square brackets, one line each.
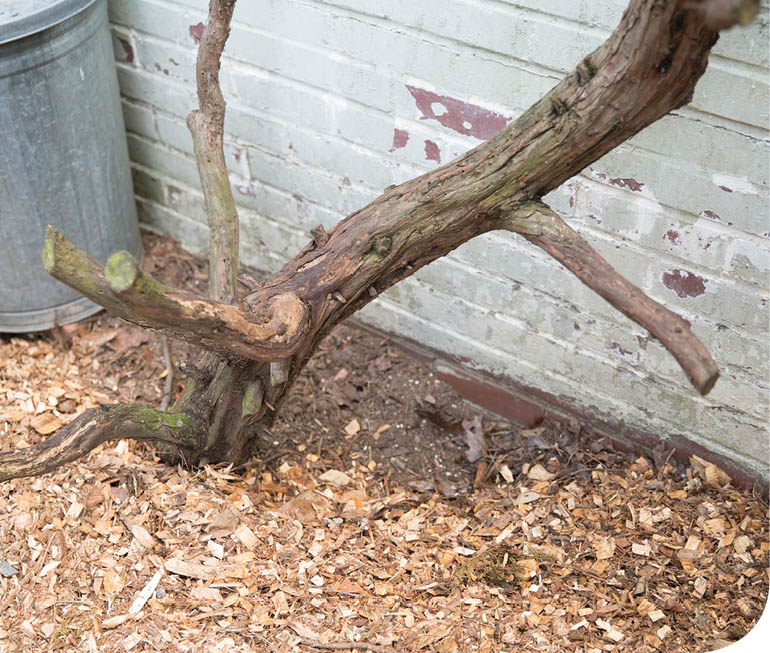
[548, 540]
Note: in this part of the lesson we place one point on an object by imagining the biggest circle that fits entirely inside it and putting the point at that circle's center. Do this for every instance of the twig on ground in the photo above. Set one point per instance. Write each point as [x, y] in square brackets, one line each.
[345, 646]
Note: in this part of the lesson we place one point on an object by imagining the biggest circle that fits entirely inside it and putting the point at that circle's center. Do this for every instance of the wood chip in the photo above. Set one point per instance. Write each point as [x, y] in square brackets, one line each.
[45, 423]
[618, 554]
[191, 570]
[641, 549]
[142, 536]
[146, 592]
[540, 473]
[246, 536]
[336, 478]
[604, 547]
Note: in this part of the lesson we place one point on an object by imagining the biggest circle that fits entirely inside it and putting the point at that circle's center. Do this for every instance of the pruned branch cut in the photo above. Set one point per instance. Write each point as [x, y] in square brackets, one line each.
[267, 333]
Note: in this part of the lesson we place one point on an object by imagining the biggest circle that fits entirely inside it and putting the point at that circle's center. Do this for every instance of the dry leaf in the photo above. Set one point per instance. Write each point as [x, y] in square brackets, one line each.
[308, 508]
[352, 427]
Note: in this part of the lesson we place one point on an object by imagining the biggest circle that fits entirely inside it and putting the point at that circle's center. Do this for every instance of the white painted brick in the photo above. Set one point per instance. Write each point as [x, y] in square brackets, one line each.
[321, 117]
[707, 148]
[156, 90]
[336, 193]
[139, 119]
[123, 46]
[162, 219]
[173, 131]
[167, 21]
[742, 97]
[170, 163]
[148, 186]
[703, 193]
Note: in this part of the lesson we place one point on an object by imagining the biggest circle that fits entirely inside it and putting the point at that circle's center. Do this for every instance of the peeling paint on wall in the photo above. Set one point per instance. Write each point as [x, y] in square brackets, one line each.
[400, 139]
[432, 153]
[673, 237]
[464, 118]
[246, 189]
[196, 32]
[684, 283]
[632, 185]
[730, 183]
[128, 50]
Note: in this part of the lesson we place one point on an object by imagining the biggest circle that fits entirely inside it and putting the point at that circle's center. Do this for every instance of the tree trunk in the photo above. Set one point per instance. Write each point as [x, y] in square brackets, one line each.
[257, 346]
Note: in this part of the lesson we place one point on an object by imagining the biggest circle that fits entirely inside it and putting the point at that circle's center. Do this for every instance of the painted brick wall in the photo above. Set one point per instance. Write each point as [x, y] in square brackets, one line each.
[330, 101]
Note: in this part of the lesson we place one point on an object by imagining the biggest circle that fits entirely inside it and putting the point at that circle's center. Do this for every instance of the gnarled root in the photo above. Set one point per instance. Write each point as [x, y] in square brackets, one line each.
[93, 428]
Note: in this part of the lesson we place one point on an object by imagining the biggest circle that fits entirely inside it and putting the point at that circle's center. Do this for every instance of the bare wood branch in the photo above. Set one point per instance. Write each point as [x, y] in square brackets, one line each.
[93, 428]
[543, 227]
[122, 288]
[206, 125]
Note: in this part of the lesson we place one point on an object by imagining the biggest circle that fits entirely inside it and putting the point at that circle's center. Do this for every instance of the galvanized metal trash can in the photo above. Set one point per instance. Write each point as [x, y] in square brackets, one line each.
[63, 154]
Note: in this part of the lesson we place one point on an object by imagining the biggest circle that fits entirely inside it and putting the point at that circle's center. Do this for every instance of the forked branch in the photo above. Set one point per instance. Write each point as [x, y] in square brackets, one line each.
[648, 67]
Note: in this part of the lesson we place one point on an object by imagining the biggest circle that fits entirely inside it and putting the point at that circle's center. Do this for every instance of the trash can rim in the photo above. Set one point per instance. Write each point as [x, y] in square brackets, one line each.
[21, 18]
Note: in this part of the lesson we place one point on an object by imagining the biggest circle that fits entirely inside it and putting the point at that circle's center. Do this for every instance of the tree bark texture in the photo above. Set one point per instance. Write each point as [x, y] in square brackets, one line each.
[256, 347]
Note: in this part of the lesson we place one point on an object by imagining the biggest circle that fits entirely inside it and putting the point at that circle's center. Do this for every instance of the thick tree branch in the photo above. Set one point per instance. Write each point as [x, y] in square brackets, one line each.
[270, 334]
[93, 428]
[543, 227]
[207, 126]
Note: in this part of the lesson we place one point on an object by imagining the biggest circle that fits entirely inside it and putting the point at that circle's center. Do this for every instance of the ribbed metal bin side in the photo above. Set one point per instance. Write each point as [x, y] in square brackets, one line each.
[63, 155]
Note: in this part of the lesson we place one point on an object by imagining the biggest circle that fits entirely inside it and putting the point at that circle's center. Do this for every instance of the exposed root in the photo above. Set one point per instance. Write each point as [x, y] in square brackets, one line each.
[93, 428]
